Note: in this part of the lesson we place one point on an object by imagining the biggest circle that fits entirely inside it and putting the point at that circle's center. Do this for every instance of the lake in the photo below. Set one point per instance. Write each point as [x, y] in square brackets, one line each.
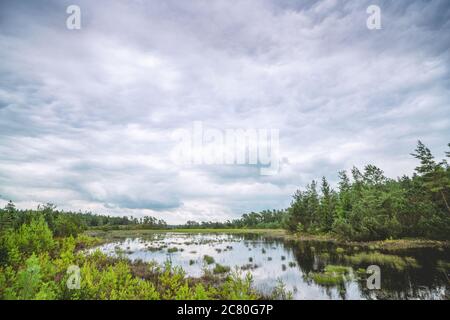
[308, 269]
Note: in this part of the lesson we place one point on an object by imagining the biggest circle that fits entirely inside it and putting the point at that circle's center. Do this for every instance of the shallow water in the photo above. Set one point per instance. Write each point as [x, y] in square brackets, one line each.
[406, 274]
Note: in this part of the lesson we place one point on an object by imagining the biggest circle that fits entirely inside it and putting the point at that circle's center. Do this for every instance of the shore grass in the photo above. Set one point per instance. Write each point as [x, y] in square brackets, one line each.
[143, 232]
[396, 262]
[392, 244]
[331, 276]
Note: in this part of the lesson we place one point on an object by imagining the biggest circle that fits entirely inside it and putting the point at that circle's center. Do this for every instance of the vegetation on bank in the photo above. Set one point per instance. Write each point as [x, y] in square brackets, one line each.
[370, 206]
[266, 219]
[35, 265]
[63, 223]
[367, 206]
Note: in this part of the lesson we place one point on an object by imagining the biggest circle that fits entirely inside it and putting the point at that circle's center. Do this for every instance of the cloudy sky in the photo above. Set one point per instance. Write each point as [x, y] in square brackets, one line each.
[87, 116]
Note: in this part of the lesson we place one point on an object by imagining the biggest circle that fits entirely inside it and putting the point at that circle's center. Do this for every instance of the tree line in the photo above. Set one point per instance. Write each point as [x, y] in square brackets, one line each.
[369, 206]
[266, 219]
[66, 223]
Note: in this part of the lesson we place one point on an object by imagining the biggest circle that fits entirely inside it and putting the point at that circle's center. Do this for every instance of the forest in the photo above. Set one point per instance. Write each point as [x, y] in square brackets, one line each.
[366, 205]
[370, 206]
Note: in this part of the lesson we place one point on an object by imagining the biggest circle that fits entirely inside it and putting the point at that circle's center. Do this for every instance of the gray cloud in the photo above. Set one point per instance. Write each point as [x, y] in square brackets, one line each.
[86, 117]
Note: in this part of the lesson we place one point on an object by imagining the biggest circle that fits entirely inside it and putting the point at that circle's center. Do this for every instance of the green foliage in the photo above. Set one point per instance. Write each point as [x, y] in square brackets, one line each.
[393, 261]
[237, 287]
[208, 259]
[64, 224]
[266, 219]
[331, 276]
[35, 237]
[219, 269]
[372, 207]
[29, 285]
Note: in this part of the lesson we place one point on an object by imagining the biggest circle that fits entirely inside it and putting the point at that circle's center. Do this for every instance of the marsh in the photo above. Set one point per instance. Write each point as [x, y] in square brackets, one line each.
[306, 269]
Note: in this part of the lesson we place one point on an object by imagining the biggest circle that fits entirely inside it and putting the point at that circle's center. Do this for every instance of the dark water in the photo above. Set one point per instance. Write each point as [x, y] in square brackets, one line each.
[405, 274]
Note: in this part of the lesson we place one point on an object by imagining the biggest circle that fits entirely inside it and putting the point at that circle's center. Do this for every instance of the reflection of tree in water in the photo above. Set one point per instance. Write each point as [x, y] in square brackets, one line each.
[425, 281]
[427, 278]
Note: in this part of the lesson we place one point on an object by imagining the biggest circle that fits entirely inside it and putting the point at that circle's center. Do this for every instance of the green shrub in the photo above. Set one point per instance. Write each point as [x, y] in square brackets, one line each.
[208, 259]
[218, 269]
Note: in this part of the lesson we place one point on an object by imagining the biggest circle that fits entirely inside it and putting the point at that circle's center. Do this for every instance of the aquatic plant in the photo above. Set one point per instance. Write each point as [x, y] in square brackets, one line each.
[332, 275]
[393, 261]
[249, 266]
[208, 259]
[280, 292]
[219, 269]
[324, 256]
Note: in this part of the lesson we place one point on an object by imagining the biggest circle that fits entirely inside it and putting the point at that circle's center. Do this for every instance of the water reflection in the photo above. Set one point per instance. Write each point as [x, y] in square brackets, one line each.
[300, 265]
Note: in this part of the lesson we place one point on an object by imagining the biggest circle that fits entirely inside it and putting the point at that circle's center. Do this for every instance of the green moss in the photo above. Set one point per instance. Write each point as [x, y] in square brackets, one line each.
[208, 259]
[219, 269]
[327, 279]
[325, 256]
[396, 262]
[332, 275]
[340, 250]
[172, 250]
[337, 269]
[361, 271]
[443, 266]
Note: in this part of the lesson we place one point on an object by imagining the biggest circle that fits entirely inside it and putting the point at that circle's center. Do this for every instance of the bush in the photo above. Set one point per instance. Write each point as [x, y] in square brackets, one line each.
[34, 237]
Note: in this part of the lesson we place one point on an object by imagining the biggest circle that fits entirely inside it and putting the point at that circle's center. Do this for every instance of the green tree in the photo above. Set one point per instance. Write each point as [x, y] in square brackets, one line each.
[435, 175]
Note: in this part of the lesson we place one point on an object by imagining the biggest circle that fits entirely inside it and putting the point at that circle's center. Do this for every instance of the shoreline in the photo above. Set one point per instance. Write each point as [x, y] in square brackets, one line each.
[391, 244]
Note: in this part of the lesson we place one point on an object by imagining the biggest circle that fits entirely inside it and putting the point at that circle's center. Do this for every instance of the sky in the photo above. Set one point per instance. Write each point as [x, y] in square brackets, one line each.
[88, 116]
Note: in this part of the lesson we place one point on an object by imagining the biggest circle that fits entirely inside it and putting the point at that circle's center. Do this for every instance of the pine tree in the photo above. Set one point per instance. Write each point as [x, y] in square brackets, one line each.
[327, 206]
[435, 175]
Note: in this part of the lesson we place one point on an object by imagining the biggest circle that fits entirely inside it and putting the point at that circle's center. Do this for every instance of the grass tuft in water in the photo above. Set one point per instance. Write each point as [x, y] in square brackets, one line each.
[219, 269]
[393, 261]
[331, 276]
[208, 259]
